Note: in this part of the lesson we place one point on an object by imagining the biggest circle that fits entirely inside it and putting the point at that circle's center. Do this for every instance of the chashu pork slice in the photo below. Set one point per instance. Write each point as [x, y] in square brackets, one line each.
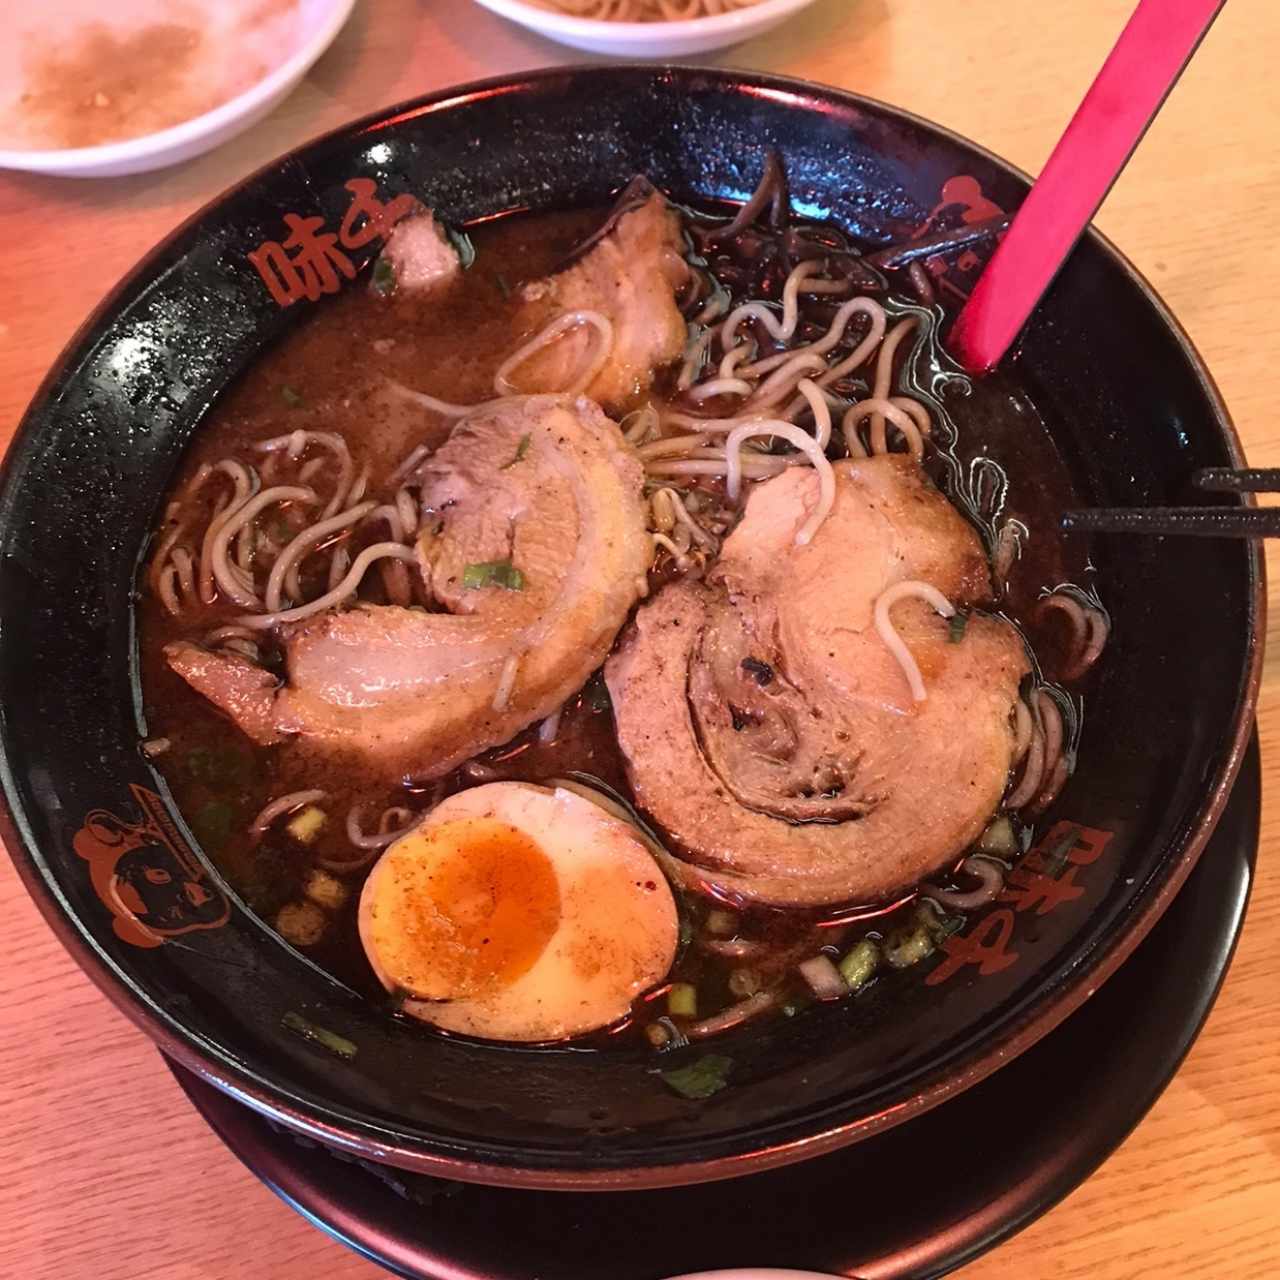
[535, 551]
[418, 258]
[768, 729]
[629, 275]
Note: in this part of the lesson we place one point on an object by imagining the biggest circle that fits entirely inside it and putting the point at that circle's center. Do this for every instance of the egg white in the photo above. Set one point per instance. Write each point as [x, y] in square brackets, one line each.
[617, 931]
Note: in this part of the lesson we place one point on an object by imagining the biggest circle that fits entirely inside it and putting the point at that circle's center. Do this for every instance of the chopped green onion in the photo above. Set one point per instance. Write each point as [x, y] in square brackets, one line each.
[723, 924]
[291, 397]
[686, 930]
[305, 825]
[493, 573]
[501, 281]
[1055, 861]
[999, 839]
[628, 418]
[521, 449]
[956, 627]
[462, 243]
[326, 1039]
[859, 966]
[905, 947]
[700, 1079]
[682, 1000]
[383, 281]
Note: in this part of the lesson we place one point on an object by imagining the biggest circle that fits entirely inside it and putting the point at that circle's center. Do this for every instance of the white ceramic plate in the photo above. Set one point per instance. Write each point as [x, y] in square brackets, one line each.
[649, 39]
[321, 20]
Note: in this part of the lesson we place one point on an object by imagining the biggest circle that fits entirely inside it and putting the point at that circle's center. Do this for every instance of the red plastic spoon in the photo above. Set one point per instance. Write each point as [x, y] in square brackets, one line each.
[1145, 64]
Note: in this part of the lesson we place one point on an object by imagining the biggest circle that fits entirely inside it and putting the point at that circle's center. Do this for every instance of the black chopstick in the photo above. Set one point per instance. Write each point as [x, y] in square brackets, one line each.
[1243, 480]
[1199, 522]
[900, 255]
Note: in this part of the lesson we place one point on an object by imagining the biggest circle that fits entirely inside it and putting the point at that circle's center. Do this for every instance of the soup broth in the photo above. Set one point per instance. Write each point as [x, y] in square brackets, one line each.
[338, 373]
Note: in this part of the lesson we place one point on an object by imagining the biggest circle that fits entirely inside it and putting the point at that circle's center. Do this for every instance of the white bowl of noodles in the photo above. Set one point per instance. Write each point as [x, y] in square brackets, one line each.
[648, 28]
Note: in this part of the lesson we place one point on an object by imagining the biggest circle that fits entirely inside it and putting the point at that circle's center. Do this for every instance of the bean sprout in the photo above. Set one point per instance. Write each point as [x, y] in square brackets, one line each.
[696, 531]
[694, 359]
[665, 543]
[506, 682]
[734, 1016]
[549, 729]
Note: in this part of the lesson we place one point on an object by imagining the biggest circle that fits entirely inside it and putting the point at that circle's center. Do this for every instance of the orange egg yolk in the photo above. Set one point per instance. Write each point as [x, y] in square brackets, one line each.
[462, 909]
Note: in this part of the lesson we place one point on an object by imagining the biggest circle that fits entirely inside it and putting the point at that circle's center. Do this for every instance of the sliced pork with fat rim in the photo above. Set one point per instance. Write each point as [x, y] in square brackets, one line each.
[629, 276]
[769, 730]
[535, 549]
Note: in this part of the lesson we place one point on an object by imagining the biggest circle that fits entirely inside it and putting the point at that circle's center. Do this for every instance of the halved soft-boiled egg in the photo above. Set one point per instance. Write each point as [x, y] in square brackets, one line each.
[519, 912]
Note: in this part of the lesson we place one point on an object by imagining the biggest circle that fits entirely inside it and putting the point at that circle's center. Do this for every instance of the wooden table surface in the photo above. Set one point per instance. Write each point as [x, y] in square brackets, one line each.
[104, 1182]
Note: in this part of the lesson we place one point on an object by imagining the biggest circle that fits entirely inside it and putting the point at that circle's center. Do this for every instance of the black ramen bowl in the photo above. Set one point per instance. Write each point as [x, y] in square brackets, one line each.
[1132, 413]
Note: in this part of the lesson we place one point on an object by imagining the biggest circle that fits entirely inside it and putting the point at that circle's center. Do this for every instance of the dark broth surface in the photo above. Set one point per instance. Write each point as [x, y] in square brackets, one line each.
[330, 374]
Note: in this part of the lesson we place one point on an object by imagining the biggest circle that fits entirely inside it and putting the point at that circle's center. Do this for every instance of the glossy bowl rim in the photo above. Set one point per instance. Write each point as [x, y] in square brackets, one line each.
[1043, 1013]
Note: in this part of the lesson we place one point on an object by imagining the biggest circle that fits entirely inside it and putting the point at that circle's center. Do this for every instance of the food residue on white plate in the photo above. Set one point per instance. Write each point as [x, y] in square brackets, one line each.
[72, 75]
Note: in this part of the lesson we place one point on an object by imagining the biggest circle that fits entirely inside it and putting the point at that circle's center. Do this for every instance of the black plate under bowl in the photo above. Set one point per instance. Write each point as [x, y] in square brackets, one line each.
[978, 1168]
[1132, 411]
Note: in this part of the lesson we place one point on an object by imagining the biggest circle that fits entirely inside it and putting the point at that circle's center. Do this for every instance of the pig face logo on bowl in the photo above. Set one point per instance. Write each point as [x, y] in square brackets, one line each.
[146, 875]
